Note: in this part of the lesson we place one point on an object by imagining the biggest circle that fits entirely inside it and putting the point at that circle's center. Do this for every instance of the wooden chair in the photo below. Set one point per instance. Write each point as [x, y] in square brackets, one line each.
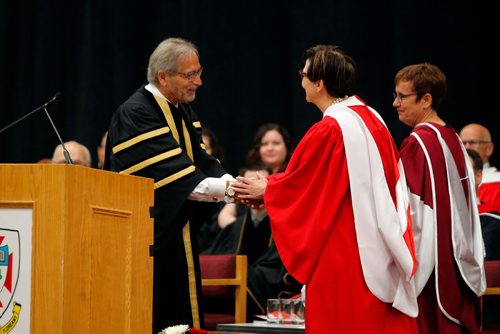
[224, 277]
[491, 297]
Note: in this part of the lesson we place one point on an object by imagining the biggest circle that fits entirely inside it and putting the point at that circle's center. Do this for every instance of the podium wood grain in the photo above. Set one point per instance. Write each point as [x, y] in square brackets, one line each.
[91, 268]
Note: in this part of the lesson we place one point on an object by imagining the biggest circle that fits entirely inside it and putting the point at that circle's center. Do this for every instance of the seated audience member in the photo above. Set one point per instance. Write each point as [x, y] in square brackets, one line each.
[211, 144]
[80, 155]
[250, 234]
[477, 137]
[101, 151]
[208, 230]
[271, 146]
[490, 229]
[490, 218]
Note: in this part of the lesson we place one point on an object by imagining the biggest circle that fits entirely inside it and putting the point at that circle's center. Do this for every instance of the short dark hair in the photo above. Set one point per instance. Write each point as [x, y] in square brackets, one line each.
[334, 66]
[217, 149]
[425, 78]
[477, 162]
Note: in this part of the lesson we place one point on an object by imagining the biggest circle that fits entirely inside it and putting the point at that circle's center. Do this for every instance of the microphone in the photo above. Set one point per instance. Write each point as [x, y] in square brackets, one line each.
[52, 100]
[44, 106]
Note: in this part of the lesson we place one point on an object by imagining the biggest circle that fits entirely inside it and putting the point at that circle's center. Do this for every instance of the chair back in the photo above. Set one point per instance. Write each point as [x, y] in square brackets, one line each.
[224, 277]
[490, 301]
[492, 270]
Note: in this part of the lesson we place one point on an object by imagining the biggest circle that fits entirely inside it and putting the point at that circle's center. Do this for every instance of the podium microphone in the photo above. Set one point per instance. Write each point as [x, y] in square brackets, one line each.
[44, 106]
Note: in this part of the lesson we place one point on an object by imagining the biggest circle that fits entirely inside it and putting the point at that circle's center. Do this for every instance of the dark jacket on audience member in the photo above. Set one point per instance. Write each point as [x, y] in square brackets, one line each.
[267, 276]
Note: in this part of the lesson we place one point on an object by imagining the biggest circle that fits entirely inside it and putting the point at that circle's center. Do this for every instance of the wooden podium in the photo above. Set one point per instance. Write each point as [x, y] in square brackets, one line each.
[91, 270]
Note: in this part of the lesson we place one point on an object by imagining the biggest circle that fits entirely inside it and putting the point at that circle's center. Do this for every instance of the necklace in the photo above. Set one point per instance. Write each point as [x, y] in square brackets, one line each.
[339, 99]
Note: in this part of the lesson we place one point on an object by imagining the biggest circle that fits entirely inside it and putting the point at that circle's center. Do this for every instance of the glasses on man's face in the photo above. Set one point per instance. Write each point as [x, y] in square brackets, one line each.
[475, 142]
[400, 97]
[302, 74]
[191, 75]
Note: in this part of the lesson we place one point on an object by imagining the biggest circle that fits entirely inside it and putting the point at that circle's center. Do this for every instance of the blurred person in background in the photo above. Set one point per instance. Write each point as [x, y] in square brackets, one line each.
[101, 151]
[80, 154]
[477, 137]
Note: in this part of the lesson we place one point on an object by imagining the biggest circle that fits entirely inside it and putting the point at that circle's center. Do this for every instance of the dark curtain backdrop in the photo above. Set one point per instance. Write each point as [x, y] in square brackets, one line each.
[95, 52]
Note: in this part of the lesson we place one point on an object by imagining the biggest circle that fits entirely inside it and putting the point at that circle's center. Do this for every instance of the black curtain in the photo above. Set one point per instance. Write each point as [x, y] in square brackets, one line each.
[95, 52]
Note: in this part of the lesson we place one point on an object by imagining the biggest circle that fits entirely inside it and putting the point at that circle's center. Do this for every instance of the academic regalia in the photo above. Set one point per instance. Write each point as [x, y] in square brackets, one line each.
[208, 228]
[489, 189]
[152, 138]
[357, 270]
[444, 211]
[267, 277]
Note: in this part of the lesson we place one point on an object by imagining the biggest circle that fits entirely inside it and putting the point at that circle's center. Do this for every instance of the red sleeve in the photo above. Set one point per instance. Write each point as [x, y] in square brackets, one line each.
[489, 193]
[304, 202]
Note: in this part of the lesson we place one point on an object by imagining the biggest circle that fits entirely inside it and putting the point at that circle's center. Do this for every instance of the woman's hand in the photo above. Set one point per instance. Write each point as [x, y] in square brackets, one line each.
[250, 191]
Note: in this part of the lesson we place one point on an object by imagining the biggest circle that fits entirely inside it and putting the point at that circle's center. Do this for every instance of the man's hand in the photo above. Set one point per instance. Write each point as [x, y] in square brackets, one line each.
[250, 191]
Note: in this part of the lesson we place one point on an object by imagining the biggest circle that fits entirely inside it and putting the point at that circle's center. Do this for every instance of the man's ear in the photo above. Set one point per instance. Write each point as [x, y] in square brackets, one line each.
[162, 77]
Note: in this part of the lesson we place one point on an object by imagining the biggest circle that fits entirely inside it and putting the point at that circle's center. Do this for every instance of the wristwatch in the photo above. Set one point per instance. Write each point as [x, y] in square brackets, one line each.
[229, 194]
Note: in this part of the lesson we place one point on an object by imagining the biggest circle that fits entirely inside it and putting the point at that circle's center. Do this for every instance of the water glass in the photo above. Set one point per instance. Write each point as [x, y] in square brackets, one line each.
[286, 311]
[298, 311]
[274, 310]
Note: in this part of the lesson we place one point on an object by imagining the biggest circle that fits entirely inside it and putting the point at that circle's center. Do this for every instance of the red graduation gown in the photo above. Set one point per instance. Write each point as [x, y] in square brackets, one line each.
[455, 297]
[313, 225]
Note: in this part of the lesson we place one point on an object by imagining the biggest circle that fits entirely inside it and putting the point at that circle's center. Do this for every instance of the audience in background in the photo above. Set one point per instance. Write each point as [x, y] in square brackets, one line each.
[450, 277]
[490, 229]
[490, 218]
[477, 137]
[250, 234]
[207, 224]
[80, 154]
[101, 151]
[211, 144]
[271, 146]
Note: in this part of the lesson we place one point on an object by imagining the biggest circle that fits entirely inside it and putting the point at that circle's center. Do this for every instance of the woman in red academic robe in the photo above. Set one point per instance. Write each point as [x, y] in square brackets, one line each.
[445, 220]
[339, 213]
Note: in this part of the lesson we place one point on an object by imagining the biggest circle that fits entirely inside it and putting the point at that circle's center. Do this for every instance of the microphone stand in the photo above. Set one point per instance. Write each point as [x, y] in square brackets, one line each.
[24, 117]
[65, 151]
[44, 107]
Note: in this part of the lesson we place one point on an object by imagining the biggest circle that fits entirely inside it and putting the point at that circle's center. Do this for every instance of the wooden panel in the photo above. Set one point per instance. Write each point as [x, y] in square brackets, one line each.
[113, 260]
[91, 269]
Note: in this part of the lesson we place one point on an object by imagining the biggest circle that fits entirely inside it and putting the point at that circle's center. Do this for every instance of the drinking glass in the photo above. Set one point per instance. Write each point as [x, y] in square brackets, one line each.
[298, 311]
[274, 310]
[286, 311]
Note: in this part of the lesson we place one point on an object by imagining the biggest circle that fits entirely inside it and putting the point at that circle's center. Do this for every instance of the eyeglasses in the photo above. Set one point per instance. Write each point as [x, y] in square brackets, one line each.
[475, 142]
[400, 97]
[191, 75]
[302, 74]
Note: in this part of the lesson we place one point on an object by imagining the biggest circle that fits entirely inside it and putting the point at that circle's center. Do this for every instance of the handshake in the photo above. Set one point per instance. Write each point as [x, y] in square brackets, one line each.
[247, 190]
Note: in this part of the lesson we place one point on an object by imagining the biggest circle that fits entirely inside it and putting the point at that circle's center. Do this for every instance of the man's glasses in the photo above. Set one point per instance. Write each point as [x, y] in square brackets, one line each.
[302, 74]
[400, 97]
[191, 75]
[475, 142]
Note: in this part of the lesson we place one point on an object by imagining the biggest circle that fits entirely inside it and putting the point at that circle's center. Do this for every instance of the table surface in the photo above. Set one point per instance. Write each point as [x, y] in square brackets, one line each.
[259, 327]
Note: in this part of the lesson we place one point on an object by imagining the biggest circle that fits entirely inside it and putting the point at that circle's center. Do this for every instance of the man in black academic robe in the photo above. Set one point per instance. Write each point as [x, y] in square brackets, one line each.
[156, 134]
